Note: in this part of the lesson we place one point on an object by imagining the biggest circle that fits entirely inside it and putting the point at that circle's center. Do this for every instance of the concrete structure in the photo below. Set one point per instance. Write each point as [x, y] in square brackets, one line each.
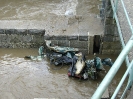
[125, 27]
[111, 41]
[62, 30]
[21, 38]
[82, 30]
[15, 35]
[71, 31]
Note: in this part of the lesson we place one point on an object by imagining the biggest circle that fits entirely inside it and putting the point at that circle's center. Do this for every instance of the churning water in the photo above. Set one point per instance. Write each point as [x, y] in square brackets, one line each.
[35, 9]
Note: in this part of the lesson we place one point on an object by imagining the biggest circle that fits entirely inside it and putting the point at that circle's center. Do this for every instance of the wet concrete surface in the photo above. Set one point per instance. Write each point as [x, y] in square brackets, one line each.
[26, 79]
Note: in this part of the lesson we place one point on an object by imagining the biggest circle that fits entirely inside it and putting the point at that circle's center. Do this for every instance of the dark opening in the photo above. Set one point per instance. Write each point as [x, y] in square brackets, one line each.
[96, 45]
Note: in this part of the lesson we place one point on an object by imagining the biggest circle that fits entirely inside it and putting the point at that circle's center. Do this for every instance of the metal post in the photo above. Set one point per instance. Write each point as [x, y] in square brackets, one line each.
[129, 84]
[119, 31]
[127, 87]
[110, 75]
[115, 7]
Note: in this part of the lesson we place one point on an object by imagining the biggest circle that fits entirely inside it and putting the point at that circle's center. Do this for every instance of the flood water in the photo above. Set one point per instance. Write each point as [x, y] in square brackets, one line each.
[57, 17]
[26, 79]
[40, 9]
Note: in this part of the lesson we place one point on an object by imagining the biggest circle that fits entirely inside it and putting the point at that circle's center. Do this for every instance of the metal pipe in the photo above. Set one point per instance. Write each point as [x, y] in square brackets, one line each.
[116, 65]
[119, 31]
[122, 80]
[115, 7]
[118, 25]
[121, 38]
[127, 87]
[129, 22]
[110, 75]
[129, 84]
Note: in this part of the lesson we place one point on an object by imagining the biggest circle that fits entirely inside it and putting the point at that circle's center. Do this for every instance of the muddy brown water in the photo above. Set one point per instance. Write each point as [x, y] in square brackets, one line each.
[39, 10]
[51, 16]
[26, 79]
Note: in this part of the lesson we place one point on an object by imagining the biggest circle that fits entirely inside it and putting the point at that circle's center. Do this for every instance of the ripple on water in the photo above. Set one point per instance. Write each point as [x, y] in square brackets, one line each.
[27, 9]
[31, 79]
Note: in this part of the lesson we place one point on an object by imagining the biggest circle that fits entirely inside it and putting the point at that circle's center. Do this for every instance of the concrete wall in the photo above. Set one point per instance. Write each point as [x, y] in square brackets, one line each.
[33, 38]
[111, 41]
[21, 38]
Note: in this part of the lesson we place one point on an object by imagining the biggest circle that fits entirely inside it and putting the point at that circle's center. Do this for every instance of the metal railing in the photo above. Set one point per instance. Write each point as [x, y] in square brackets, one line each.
[117, 64]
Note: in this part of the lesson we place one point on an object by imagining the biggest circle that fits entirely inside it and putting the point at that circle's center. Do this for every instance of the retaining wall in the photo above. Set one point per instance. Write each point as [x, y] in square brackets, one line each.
[111, 41]
[34, 38]
[21, 38]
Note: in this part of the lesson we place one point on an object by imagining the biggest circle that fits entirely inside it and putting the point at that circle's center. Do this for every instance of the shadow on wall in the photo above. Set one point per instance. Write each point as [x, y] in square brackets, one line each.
[96, 45]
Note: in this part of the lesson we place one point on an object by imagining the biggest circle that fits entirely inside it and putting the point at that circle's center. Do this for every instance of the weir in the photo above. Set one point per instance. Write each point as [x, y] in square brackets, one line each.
[81, 29]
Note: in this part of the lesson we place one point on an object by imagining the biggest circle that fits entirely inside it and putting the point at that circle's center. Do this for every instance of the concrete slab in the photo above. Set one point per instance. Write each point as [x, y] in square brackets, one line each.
[57, 27]
[106, 94]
